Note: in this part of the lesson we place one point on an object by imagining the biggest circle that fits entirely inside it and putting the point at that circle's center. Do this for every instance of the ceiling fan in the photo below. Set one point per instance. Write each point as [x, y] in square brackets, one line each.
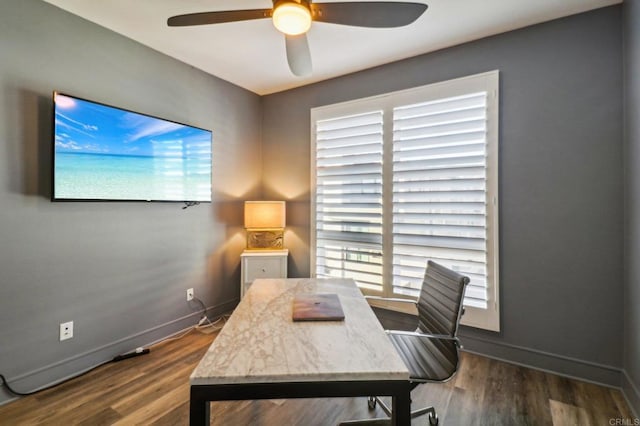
[294, 17]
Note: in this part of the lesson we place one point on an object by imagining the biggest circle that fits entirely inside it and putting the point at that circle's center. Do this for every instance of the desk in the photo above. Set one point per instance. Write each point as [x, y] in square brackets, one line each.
[262, 354]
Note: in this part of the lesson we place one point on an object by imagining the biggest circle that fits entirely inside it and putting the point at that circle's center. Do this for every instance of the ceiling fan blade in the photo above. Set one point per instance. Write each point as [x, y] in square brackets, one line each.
[373, 14]
[205, 18]
[298, 55]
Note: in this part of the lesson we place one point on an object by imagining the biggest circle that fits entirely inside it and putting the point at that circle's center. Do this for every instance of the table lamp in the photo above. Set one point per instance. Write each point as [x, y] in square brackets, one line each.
[264, 222]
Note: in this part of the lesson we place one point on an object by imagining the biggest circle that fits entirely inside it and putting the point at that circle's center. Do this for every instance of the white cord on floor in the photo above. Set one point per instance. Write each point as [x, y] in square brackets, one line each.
[211, 327]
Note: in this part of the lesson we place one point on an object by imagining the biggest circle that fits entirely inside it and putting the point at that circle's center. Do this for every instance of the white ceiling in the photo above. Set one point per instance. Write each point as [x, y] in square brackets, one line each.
[251, 54]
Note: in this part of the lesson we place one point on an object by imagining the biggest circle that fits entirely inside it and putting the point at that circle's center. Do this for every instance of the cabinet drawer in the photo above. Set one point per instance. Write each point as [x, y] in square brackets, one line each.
[264, 268]
[255, 265]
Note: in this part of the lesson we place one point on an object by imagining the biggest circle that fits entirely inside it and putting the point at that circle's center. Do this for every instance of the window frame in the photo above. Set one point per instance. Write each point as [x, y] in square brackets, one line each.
[488, 319]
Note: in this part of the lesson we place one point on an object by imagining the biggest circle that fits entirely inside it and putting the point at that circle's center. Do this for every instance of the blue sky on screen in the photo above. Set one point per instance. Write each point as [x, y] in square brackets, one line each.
[86, 127]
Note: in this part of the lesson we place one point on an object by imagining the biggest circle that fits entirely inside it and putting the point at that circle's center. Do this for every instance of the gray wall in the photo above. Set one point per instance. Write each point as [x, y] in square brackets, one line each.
[118, 270]
[560, 182]
[631, 380]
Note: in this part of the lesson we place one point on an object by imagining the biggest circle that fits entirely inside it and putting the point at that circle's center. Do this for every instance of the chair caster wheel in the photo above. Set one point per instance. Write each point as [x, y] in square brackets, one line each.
[433, 419]
[371, 402]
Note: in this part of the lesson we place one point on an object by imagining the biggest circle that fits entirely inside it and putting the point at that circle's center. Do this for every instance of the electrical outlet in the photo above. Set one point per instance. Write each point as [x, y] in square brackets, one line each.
[189, 294]
[66, 330]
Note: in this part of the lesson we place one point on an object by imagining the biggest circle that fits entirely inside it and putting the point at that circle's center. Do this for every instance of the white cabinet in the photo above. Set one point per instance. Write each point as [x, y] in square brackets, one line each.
[261, 264]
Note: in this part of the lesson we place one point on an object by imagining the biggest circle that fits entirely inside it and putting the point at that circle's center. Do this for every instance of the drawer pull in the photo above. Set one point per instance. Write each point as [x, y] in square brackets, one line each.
[264, 270]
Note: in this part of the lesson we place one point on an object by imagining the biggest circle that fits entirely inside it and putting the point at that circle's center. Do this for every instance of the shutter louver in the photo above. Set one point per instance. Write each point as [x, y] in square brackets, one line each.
[439, 192]
[349, 198]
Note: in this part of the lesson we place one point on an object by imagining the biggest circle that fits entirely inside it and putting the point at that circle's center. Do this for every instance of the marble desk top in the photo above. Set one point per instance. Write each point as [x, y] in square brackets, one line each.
[261, 344]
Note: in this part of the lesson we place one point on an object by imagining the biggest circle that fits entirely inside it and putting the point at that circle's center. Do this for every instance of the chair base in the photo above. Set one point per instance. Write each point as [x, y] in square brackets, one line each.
[373, 400]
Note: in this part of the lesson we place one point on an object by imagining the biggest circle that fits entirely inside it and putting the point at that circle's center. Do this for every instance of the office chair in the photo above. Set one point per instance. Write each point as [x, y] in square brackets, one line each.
[431, 352]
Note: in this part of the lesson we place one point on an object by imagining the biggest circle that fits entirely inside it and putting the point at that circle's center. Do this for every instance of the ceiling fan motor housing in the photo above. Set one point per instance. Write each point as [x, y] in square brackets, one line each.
[292, 17]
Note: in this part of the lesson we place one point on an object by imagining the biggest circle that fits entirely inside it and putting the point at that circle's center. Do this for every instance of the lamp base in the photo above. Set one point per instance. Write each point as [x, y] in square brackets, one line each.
[265, 239]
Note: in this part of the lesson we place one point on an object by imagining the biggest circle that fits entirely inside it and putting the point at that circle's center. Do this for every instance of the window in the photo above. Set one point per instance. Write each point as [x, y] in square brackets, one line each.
[405, 177]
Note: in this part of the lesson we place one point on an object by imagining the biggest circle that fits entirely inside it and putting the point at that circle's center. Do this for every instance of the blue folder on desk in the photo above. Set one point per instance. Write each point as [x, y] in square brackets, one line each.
[317, 307]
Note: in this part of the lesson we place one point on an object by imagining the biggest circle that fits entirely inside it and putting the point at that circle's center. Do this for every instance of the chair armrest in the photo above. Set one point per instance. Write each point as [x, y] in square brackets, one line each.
[427, 336]
[391, 299]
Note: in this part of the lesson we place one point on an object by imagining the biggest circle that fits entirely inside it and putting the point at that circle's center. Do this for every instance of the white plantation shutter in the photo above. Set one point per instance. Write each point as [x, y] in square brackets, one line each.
[349, 198]
[439, 192]
[405, 177]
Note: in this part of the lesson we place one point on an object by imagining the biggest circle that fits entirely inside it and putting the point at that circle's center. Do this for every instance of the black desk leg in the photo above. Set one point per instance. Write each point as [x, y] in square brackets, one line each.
[401, 409]
[199, 409]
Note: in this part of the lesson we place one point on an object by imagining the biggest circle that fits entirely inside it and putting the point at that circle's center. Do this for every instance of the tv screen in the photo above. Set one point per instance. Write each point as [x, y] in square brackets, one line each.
[107, 153]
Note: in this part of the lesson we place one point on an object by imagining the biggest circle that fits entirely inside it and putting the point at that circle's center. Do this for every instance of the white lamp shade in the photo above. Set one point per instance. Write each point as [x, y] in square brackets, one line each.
[264, 214]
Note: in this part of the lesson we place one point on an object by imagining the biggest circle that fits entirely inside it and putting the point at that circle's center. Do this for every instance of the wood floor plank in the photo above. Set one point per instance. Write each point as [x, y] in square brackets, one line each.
[154, 390]
[560, 389]
[78, 405]
[156, 408]
[105, 417]
[56, 399]
[463, 409]
[621, 404]
[537, 410]
[568, 415]
[466, 400]
[473, 372]
[500, 402]
[176, 416]
[599, 404]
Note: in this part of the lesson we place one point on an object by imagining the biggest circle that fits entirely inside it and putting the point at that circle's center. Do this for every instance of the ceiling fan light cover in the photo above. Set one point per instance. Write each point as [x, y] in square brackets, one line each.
[292, 18]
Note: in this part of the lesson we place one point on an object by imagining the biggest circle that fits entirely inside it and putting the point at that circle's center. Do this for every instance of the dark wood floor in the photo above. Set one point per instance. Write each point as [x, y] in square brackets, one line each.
[154, 390]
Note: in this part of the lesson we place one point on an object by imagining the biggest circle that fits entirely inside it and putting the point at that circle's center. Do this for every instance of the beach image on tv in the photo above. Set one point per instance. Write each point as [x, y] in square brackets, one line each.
[106, 153]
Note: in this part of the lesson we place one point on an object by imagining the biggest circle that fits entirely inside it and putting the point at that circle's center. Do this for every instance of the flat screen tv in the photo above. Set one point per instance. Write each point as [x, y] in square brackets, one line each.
[107, 153]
